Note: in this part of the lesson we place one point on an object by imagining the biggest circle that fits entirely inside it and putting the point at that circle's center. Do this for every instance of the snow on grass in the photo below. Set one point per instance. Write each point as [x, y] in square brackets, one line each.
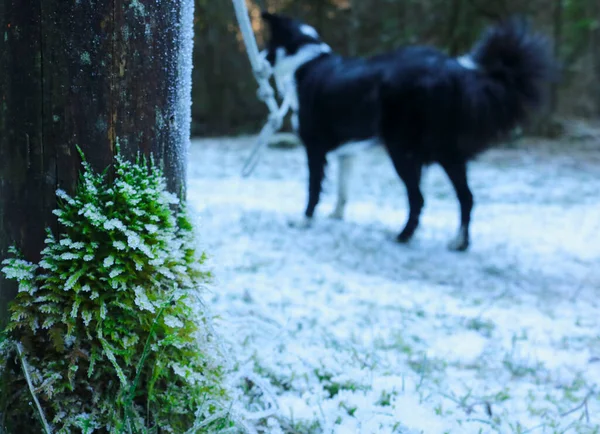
[337, 329]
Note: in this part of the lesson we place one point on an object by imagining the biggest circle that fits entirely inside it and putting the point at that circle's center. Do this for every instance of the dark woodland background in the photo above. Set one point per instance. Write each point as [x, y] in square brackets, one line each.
[224, 95]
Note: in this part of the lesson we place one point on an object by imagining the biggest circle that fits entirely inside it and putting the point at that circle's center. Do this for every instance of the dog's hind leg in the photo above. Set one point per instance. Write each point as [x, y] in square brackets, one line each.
[316, 171]
[409, 169]
[344, 172]
[457, 172]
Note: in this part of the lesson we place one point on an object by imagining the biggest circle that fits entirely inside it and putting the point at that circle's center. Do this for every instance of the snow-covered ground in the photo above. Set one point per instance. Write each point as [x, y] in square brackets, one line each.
[338, 329]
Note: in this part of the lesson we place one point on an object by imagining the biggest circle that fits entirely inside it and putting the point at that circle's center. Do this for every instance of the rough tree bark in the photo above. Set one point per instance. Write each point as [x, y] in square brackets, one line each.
[88, 74]
[595, 50]
[558, 34]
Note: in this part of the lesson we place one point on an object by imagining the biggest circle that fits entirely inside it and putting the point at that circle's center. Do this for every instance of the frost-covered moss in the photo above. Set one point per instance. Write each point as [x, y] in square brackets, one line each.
[111, 326]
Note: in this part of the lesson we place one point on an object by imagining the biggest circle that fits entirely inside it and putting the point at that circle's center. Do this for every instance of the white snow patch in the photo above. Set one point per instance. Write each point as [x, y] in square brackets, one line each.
[353, 333]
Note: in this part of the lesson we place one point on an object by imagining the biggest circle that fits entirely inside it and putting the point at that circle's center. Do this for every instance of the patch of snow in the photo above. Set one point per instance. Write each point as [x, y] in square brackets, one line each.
[350, 332]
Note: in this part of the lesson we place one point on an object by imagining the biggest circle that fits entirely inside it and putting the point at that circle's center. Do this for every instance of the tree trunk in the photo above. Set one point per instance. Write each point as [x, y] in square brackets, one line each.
[558, 33]
[89, 74]
[595, 52]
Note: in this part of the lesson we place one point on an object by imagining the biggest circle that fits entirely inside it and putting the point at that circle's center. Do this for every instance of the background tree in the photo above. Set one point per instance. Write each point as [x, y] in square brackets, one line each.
[225, 80]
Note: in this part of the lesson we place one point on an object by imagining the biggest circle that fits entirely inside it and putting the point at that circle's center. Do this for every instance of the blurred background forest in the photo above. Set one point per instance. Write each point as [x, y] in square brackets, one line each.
[224, 93]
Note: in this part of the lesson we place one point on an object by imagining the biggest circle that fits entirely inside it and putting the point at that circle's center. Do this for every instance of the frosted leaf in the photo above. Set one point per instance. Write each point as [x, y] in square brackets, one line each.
[158, 261]
[181, 269]
[141, 299]
[173, 321]
[119, 245]
[17, 316]
[78, 245]
[166, 272]
[169, 198]
[70, 340]
[146, 250]
[27, 286]
[93, 214]
[75, 308]
[103, 311]
[86, 423]
[65, 242]
[48, 322]
[87, 317]
[59, 416]
[188, 374]
[69, 256]
[125, 189]
[86, 288]
[94, 295]
[151, 228]
[115, 272]
[91, 188]
[109, 261]
[62, 194]
[114, 224]
[133, 239]
[111, 357]
[21, 270]
[72, 281]
[88, 257]
[129, 341]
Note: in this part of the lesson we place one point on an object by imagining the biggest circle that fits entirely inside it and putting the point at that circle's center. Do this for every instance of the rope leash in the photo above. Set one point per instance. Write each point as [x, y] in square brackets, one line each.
[262, 72]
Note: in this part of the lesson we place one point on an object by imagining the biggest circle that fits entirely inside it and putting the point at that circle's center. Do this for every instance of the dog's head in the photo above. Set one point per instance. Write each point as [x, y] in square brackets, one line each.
[291, 43]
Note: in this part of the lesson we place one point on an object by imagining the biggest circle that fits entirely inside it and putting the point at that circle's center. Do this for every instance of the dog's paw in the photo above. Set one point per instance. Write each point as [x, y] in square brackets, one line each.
[404, 238]
[460, 243]
[301, 223]
[406, 235]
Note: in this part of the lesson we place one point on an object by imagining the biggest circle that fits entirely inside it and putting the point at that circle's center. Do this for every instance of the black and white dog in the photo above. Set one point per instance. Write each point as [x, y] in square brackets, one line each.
[423, 105]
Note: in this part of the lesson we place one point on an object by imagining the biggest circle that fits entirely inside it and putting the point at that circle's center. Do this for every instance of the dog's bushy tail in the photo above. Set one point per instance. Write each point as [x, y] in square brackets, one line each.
[518, 63]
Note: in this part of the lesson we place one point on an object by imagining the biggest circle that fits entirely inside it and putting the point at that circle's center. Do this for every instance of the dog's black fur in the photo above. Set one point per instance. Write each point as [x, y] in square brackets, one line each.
[423, 105]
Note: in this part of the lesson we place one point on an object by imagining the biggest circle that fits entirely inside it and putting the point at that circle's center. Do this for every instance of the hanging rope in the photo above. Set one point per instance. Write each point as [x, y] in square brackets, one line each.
[262, 72]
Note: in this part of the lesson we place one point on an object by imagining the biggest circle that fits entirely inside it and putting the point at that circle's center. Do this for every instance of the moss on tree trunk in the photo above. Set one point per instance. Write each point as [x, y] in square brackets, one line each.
[87, 74]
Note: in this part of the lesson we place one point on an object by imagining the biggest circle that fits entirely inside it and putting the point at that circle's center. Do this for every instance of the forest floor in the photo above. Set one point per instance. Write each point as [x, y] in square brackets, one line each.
[338, 329]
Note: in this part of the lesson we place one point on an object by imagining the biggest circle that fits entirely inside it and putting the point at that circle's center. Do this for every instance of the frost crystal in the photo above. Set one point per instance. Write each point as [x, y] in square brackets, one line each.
[142, 301]
[109, 261]
[119, 245]
[93, 214]
[173, 321]
[87, 317]
[115, 272]
[133, 239]
[62, 194]
[151, 228]
[67, 256]
[114, 224]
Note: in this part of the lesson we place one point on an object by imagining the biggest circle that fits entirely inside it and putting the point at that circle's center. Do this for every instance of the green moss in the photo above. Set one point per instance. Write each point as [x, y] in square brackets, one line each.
[109, 321]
